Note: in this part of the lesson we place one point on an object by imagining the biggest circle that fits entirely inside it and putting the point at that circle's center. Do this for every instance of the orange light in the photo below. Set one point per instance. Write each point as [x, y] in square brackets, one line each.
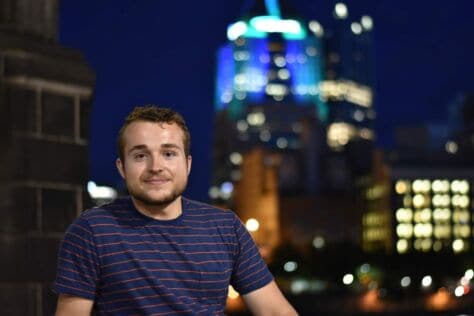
[371, 302]
[439, 300]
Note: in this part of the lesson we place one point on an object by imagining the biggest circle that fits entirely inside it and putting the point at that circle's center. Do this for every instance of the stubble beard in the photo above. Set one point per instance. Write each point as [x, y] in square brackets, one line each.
[167, 199]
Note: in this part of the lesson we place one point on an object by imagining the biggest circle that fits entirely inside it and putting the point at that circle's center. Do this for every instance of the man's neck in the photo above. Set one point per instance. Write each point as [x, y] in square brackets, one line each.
[168, 211]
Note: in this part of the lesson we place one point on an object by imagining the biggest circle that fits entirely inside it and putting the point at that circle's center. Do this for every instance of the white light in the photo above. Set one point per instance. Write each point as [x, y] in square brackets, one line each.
[276, 89]
[256, 118]
[318, 242]
[283, 74]
[299, 286]
[280, 61]
[356, 28]
[265, 136]
[365, 268]
[282, 142]
[358, 115]
[316, 28]
[235, 158]
[367, 22]
[348, 279]
[459, 291]
[214, 192]
[340, 10]
[236, 30]
[242, 126]
[226, 190]
[402, 246]
[101, 192]
[427, 281]
[451, 147]
[290, 266]
[252, 224]
[469, 274]
[405, 281]
[458, 245]
[263, 24]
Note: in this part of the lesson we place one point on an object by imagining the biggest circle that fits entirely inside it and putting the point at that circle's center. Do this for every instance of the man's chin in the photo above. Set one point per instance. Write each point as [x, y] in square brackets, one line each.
[161, 200]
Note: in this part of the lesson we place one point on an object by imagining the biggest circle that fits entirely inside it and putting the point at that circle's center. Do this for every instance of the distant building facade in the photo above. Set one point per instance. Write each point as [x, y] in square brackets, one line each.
[423, 200]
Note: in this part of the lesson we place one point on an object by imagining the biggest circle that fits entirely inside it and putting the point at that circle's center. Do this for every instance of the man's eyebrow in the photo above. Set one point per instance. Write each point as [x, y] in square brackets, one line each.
[170, 145]
[137, 147]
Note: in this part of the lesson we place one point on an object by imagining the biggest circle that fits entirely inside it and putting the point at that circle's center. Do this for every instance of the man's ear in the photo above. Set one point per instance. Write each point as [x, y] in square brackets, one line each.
[189, 162]
[120, 167]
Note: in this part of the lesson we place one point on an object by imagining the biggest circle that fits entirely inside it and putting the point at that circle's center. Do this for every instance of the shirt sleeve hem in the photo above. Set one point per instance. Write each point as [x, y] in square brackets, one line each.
[65, 291]
[258, 285]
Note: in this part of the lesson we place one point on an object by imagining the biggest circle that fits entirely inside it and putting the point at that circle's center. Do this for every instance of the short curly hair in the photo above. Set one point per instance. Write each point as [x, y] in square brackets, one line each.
[153, 113]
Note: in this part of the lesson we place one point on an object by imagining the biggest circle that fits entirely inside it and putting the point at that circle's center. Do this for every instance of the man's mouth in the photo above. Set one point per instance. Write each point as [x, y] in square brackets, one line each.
[156, 180]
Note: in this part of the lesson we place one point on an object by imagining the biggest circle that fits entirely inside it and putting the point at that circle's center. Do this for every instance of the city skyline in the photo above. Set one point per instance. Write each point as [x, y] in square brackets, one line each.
[156, 53]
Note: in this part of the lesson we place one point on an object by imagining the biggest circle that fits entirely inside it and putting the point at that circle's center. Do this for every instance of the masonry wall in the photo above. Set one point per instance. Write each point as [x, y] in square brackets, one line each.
[45, 105]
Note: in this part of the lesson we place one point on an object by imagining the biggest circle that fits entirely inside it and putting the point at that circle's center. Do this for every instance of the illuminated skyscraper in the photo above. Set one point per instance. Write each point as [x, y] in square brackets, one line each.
[272, 95]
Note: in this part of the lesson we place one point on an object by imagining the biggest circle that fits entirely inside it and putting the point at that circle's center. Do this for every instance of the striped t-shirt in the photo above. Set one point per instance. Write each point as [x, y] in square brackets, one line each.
[129, 263]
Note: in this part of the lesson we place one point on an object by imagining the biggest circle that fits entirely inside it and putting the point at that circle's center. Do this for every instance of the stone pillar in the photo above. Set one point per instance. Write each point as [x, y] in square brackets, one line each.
[45, 102]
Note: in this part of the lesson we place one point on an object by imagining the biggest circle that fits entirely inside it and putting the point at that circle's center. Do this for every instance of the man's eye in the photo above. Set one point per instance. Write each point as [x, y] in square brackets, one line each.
[169, 154]
[139, 156]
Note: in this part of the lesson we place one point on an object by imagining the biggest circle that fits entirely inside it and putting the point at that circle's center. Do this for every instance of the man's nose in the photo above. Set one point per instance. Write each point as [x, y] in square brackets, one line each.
[156, 163]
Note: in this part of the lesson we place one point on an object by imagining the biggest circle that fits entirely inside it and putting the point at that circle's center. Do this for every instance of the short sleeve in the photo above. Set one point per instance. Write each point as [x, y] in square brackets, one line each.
[250, 271]
[78, 265]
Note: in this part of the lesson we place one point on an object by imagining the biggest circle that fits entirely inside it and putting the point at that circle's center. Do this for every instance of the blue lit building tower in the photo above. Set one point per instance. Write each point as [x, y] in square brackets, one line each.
[268, 96]
[293, 108]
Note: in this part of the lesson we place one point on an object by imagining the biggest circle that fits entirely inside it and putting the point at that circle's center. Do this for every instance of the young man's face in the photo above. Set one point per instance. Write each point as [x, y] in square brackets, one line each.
[155, 166]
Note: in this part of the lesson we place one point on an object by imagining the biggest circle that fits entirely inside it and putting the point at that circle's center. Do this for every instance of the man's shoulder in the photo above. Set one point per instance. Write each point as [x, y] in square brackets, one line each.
[114, 209]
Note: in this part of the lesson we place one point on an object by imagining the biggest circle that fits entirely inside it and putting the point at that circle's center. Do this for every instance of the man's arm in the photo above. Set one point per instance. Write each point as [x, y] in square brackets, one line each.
[73, 306]
[268, 300]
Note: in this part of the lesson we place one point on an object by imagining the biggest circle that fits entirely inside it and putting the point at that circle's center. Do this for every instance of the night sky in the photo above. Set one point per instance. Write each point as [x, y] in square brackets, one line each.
[163, 52]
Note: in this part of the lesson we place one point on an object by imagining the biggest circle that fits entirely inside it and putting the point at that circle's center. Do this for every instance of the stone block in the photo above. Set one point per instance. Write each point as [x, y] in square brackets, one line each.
[18, 209]
[57, 115]
[42, 160]
[58, 209]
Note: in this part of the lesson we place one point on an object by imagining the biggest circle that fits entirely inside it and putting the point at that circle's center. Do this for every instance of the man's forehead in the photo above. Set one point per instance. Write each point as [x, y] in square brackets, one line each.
[173, 135]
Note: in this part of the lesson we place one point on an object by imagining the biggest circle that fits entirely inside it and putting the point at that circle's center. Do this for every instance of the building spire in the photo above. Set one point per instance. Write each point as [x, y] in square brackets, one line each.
[273, 7]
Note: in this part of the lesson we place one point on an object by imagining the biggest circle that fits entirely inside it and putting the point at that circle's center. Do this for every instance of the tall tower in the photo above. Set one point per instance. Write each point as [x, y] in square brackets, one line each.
[269, 114]
[298, 101]
[45, 102]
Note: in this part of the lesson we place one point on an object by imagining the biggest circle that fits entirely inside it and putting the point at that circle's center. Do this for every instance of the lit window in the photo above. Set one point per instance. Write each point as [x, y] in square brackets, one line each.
[458, 245]
[402, 245]
[279, 61]
[401, 187]
[283, 74]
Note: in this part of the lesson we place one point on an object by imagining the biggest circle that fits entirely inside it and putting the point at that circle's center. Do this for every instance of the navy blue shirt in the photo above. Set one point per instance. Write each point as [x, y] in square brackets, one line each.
[129, 263]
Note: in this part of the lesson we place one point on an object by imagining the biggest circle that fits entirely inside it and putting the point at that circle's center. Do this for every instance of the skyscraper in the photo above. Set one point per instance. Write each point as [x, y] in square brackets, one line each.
[297, 97]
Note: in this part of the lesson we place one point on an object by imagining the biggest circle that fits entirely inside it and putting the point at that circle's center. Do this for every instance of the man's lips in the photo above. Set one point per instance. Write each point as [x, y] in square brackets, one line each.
[156, 180]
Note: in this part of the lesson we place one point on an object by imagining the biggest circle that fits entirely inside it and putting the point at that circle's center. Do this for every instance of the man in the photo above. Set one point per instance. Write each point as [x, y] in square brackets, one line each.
[156, 252]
